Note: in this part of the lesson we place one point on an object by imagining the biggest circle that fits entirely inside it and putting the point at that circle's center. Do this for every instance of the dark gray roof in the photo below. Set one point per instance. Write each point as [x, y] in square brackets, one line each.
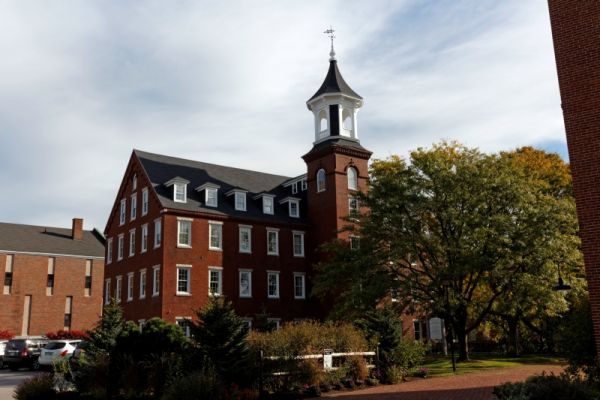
[160, 169]
[40, 239]
[335, 83]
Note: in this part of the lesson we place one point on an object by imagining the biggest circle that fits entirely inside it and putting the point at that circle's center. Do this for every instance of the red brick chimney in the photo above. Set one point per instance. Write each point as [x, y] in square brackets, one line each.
[77, 232]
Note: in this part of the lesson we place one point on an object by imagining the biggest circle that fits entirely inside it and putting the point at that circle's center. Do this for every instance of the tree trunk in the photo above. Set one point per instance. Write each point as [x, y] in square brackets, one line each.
[513, 337]
[460, 330]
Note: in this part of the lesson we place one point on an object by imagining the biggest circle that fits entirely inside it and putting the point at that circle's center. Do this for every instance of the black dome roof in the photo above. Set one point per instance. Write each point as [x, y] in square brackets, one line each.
[335, 83]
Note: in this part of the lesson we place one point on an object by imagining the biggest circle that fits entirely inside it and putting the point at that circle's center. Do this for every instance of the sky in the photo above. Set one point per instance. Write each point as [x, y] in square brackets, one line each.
[83, 83]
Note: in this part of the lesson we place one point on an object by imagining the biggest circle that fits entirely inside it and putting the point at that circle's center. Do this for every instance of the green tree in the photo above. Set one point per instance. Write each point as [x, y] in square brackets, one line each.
[448, 233]
[220, 337]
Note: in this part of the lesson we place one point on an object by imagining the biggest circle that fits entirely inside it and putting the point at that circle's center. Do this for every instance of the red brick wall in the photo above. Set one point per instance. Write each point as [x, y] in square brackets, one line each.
[47, 312]
[576, 34]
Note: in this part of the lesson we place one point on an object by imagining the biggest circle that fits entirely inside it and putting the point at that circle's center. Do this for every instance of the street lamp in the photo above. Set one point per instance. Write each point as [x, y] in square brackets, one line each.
[561, 285]
[446, 286]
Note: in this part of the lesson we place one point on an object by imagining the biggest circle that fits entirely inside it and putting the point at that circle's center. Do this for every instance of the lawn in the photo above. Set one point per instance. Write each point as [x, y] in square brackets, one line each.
[442, 366]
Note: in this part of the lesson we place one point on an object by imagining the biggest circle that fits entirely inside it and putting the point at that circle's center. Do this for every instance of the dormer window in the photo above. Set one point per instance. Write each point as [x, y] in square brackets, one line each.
[239, 198]
[321, 180]
[294, 187]
[293, 206]
[267, 203]
[304, 184]
[210, 194]
[134, 182]
[179, 189]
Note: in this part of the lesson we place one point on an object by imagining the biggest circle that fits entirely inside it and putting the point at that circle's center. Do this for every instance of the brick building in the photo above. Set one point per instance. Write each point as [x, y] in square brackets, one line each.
[576, 35]
[52, 278]
[183, 230]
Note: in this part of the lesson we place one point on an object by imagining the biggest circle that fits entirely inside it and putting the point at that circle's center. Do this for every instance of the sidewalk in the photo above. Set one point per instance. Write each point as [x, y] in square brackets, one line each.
[474, 386]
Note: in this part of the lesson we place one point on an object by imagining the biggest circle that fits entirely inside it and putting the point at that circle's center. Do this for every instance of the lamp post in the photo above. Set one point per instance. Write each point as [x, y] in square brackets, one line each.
[561, 285]
[446, 286]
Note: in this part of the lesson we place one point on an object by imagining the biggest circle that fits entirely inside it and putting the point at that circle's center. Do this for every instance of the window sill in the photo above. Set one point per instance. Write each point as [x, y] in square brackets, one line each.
[142, 297]
[273, 254]
[183, 294]
[245, 251]
[183, 246]
[273, 297]
[245, 297]
[155, 294]
[299, 255]
[215, 249]
[299, 298]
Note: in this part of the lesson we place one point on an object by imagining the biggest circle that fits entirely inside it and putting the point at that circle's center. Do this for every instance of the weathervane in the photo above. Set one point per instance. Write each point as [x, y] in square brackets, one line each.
[330, 32]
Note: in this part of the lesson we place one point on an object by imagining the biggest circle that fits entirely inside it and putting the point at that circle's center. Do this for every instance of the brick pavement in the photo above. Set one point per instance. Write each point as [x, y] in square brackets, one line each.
[473, 386]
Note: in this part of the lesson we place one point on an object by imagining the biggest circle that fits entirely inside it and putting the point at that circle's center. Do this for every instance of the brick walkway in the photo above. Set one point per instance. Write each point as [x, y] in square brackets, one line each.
[473, 386]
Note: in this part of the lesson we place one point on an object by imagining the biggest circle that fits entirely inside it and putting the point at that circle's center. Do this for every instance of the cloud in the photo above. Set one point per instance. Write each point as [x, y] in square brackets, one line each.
[83, 83]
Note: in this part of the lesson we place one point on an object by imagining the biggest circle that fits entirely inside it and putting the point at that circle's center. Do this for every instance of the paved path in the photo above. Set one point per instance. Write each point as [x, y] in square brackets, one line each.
[9, 381]
[473, 386]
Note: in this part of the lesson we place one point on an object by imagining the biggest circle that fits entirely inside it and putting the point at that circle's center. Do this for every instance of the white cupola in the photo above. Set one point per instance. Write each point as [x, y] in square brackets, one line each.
[335, 106]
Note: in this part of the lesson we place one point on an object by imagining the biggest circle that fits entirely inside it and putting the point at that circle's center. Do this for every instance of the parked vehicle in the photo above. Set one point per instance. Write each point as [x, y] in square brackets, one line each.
[2, 348]
[57, 350]
[24, 352]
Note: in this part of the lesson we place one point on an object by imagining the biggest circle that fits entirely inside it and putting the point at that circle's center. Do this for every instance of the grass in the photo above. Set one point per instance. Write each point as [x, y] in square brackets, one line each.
[442, 365]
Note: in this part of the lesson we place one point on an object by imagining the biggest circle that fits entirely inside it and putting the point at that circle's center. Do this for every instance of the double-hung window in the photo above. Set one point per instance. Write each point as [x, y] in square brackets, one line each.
[215, 281]
[353, 206]
[184, 274]
[211, 197]
[268, 205]
[144, 239]
[157, 232]
[118, 288]
[272, 241]
[294, 208]
[273, 284]
[120, 245]
[132, 243]
[107, 291]
[143, 284]
[240, 201]
[180, 192]
[245, 238]
[215, 234]
[144, 201]
[299, 285]
[133, 209]
[156, 280]
[130, 286]
[184, 232]
[109, 250]
[298, 240]
[245, 283]
[122, 212]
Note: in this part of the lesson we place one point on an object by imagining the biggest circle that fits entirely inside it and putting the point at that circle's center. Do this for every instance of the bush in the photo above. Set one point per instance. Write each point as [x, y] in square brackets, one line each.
[199, 385]
[39, 387]
[357, 368]
[543, 387]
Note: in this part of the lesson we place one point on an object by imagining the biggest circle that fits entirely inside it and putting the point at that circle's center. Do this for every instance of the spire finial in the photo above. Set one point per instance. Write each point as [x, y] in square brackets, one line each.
[330, 32]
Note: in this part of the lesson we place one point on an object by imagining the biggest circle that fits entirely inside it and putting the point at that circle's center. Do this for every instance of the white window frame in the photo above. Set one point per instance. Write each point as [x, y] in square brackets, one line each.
[144, 239]
[132, 242]
[248, 229]
[207, 197]
[155, 280]
[118, 287]
[133, 208]
[109, 250]
[212, 225]
[249, 273]
[134, 182]
[143, 283]
[130, 286]
[301, 275]
[183, 186]
[145, 201]
[241, 198]
[321, 182]
[157, 232]
[352, 178]
[304, 184]
[276, 321]
[297, 204]
[219, 271]
[353, 212]
[188, 269]
[185, 327]
[294, 187]
[265, 201]
[107, 291]
[301, 235]
[181, 221]
[274, 231]
[276, 294]
[122, 212]
[120, 246]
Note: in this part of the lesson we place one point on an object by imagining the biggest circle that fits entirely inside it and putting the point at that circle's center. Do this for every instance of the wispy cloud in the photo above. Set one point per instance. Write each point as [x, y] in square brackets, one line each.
[83, 83]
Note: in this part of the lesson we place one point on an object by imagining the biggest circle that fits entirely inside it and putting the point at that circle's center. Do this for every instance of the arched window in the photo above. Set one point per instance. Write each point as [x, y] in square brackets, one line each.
[347, 122]
[322, 121]
[352, 179]
[321, 180]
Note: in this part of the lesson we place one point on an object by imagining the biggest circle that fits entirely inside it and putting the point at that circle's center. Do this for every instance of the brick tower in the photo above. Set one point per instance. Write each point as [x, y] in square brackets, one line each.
[576, 35]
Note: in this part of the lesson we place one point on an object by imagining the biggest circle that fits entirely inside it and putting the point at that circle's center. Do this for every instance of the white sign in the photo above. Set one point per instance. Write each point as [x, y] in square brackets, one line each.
[327, 359]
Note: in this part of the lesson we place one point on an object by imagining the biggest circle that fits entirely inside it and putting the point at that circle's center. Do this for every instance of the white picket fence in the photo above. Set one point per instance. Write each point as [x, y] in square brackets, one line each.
[327, 356]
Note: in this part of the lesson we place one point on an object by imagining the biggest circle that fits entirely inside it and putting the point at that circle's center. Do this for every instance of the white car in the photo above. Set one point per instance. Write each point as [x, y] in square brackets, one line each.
[2, 347]
[57, 350]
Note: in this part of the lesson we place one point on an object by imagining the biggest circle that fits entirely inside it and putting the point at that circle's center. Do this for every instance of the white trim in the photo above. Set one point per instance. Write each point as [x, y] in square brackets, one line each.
[155, 287]
[122, 212]
[145, 204]
[157, 233]
[175, 186]
[294, 234]
[210, 230]
[187, 245]
[144, 240]
[132, 242]
[220, 282]
[276, 231]
[240, 272]
[120, 246]
[277, 294]
[133, 207]
[245, 228]
[109, 251]
[303, 276]
[187, 267]
[130, 284]
[145, 275]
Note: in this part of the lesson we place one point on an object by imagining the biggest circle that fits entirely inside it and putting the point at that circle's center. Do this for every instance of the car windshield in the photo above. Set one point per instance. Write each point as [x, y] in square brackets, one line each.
[15, 345]
[55, 345]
